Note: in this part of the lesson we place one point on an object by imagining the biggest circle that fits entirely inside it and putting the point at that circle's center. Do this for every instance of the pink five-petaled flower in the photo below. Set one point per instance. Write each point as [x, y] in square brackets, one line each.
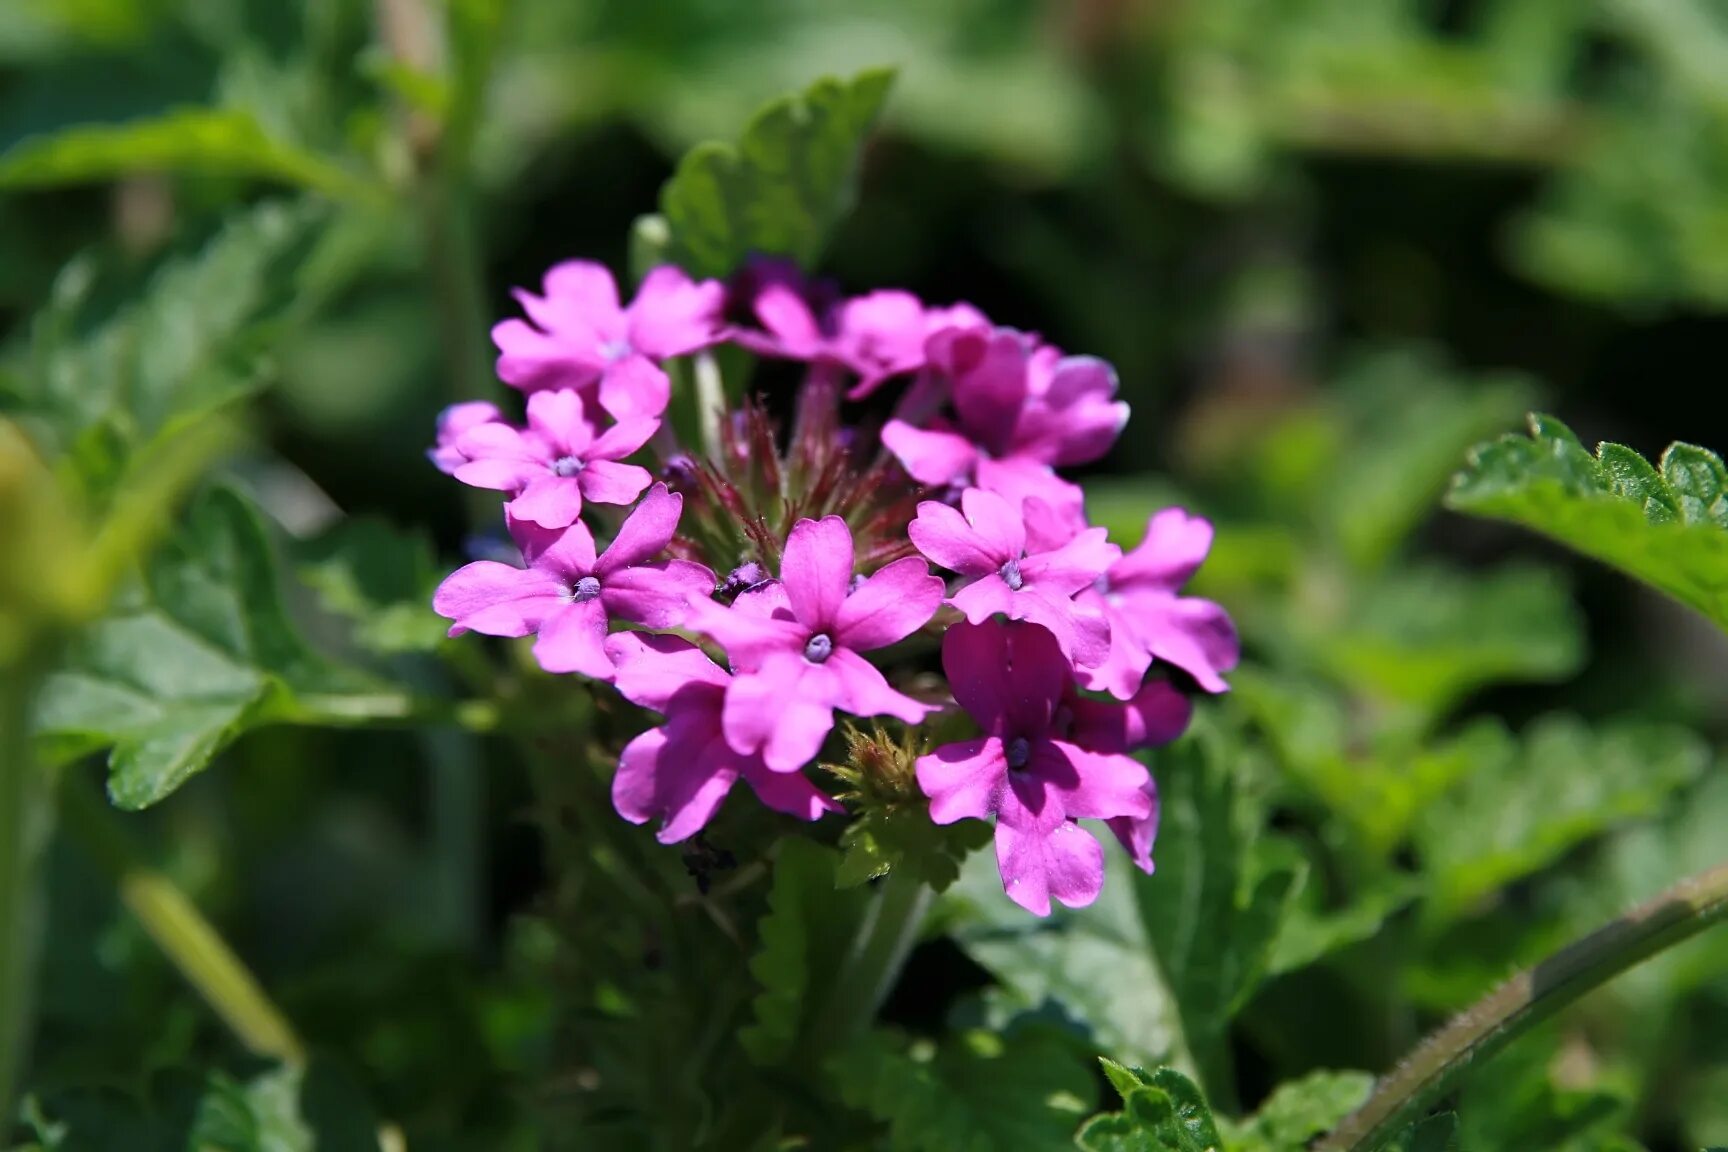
[795, 645]
[1024, 770]
[558, 461]
[580, 334]
[1157, 714]
[452, 423]
[567, 594]
[1149, 621]
[1021, 410]
[682, 770]
[877, 335]
[988, 545]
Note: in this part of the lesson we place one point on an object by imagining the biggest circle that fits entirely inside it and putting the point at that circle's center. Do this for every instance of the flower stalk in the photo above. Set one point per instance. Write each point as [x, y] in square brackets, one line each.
[1527, 1000]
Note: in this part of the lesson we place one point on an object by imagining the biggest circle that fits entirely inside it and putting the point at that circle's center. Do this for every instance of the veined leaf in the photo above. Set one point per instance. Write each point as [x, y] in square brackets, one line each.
[783, 187]
[1531, 800]
[980, 1092]
[198, 652]
[1163, 1112]
[1665, 525]
[193, 141]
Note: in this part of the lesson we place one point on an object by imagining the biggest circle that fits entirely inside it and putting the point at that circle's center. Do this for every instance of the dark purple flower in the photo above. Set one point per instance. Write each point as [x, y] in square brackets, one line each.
[682, 770]
[1026, 770]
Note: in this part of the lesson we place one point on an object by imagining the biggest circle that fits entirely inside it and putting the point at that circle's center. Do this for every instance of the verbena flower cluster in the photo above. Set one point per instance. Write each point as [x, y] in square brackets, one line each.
[758, 584]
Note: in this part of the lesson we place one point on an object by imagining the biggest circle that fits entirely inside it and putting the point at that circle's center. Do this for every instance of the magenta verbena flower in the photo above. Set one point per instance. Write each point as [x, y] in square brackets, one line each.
[568, 596]
[1150, 621]
[1026, 771]
[580, 335]
[1005, 571]
[1020, 410]
[795, 645]
[876, 336]
[559, 460]
[452, 423]
[680, 771]
[1156, 714]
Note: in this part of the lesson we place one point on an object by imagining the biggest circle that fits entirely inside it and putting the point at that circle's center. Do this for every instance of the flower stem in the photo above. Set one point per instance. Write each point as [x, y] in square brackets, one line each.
[879, 950]
[189, 941]
[24, 817]
[1526, 1000]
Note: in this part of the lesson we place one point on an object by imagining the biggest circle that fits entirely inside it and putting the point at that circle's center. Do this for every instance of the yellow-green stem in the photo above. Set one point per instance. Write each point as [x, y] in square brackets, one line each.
[1526, 1000]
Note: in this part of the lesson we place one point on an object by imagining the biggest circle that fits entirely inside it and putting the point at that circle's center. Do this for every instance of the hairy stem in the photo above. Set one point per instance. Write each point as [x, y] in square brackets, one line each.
[189, 941]
[1526, 1000]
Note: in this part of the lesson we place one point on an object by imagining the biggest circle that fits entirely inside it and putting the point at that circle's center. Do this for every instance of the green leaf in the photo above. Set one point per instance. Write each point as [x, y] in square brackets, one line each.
[783, 187]
[1092, 964]
[1531, 800]
[980, 1092]
[202, 142]
[1166, 1113]
[260, 1116]
[1310, 934]
[190, 345]
[1298, 1111]
[1214, 908]
[1430, 636]
[380, 578]
[804, 937]
[1435, 1134]
[1666, 526]
[197, 653]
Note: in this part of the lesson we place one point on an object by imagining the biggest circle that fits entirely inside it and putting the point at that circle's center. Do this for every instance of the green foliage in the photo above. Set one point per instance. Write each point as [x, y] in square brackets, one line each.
[1529, 801]
[381, 580]
[781, 189]
[1215, 906]
[262, 1116]
[198, 142]
[1299, 1110]
[1163, 1112]
[805, 936]
[977, 1092]
[1437, 1133]
[197, 653]
[1665, 525]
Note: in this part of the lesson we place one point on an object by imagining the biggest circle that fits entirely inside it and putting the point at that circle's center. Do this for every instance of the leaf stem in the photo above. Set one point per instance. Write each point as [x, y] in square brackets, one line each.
[189, 941]
[1526, 1000]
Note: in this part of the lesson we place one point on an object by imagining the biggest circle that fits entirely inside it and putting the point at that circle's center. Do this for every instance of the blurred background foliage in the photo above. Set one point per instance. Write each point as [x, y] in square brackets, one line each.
[1329, 245]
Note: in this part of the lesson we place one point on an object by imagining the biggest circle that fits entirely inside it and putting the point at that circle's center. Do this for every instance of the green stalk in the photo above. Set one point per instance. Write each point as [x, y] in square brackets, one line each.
[1525, 1001]
[24, 819]
[189, 941]
[879, 950]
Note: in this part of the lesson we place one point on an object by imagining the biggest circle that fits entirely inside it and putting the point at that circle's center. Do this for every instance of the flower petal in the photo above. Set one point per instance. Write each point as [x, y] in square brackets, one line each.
[1136, 834]
[608, 482]
[1065, 863]
[635, 387]
[574, 640]
[655, 595]
[581, 302]
[791, 793]
[560, 417]
[549, 501]
[1072, 567]
[773, 711]
[989, 373]
[1198, 637]
[963, 780]
[1157, 714]
[645, 532]
[566, 553]
[888, 606]
[1006, 676]
[943, 535]
[622, 439]
[748, 638]
[985, 597]
[654, 670]
[1091, 784]
[816, 570]
[785, 313]
[996, 521]
[530, 360]
[497, 600]
[675, 776]
[930, 456]
[864, 691]
[672, 315]
[1174, 546]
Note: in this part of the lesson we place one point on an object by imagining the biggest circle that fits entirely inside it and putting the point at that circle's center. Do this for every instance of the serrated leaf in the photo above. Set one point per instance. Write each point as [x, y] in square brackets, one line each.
[190, 345]
[1298, 1111]
[980, 1092]
[782, 188]
[194, 655]
[1667, 527]
[1531, 800]
[1167, 1113]
[804, 937]
[381, 579]
[1214, 908]
[1092, 965]
[193, 141]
